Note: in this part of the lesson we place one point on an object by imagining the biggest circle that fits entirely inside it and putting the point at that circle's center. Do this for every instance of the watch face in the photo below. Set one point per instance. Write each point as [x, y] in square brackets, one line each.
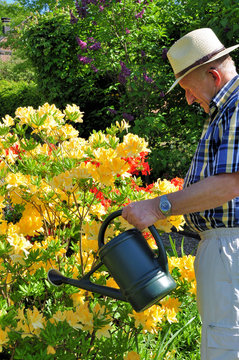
[165, 206]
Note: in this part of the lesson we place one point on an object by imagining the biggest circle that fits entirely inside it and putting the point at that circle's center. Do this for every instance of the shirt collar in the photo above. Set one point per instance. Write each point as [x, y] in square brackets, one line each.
[224, 94]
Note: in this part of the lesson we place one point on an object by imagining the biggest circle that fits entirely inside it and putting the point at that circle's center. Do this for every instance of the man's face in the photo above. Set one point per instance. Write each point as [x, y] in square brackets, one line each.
[199, 87]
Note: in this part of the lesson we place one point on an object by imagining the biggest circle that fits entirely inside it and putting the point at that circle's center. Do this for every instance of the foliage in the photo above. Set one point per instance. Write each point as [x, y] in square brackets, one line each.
[16, 70]
[112, 62]
[16, 93]
[15, 11]
[110, 57]
[56, 190]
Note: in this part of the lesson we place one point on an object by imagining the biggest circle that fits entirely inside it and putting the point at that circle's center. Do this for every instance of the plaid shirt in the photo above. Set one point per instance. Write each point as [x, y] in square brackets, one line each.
[217, 153]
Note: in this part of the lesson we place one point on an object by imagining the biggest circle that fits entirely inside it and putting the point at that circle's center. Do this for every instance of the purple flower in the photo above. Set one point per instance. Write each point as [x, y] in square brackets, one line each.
[124, 73]
[124, 70]
[162, 94]
[94, 68]
[122, 79]
[101, 8]
[140, 14]
[81, 10]
[147, 78]
[143, 53]
[127, 31]
[164, 54]
[82, 44]
[95, 46]
[84, 59]
[74, 19]
[127, 116]
[112, 111]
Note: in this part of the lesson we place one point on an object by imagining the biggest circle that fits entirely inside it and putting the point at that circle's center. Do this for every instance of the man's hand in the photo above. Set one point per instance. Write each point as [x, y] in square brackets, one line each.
[142, 214]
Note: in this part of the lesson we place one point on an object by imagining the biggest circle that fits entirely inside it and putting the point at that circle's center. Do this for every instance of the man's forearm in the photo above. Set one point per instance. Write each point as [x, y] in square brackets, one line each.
[208, 193]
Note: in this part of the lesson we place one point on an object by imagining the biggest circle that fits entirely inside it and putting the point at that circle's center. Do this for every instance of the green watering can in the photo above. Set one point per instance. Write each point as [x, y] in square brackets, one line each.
[142, 276]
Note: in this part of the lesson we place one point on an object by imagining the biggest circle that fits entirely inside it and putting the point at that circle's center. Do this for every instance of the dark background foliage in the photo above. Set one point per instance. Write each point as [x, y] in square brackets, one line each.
[110, 59]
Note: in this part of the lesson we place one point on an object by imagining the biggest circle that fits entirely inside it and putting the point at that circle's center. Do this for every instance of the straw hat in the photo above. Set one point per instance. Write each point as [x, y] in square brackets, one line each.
[195, 49]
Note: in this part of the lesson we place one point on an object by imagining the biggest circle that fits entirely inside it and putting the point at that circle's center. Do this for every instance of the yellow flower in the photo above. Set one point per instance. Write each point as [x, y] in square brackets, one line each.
[150, 318]
[16, 179]
[73, 113]
[97, 139]
[3, 338]
[171, 306]
[185, 265]
[59, 315]
[30, 323]
[74, 148]
[50, 350]
[132, 355]
[3, 166]
[81, 172]
[98, 210]
[103, 331]
[123, 125]
[78, 298]
[101, 154]
[30, 222]
[109, 167]
[63, 180]
[85, 317]
[112, 283]
[177, 221]
[163, 187]
[24, 114]
[132, 145]
[89, 244]
[20, 247]
[73, 319]
[3, 227]
[35, 319]
[66, 132]
[164, 225]
[51, 110]
[8, 120]
[193, 289]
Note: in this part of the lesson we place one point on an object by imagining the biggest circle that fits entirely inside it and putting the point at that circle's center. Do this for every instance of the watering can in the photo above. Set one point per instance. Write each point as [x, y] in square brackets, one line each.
[142, 276]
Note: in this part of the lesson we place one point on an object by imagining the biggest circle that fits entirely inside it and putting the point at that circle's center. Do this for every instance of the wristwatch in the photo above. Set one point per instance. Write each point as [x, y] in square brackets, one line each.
[165, 205]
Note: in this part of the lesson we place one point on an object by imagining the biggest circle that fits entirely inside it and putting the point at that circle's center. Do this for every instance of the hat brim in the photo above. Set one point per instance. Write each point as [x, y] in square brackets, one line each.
[222, 53]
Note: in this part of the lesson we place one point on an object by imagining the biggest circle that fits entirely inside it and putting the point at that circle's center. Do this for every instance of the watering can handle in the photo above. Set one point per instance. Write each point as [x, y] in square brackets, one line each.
[162, 257]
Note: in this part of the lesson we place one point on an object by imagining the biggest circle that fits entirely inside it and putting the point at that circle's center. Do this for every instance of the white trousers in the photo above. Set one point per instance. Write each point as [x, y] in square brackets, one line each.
[217, 275]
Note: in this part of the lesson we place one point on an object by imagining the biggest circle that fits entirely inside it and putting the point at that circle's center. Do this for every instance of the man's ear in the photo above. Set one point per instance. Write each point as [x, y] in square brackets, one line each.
[216, 76]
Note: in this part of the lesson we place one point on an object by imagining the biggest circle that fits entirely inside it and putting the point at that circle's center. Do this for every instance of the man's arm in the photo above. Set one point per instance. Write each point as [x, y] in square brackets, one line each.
[205, 194]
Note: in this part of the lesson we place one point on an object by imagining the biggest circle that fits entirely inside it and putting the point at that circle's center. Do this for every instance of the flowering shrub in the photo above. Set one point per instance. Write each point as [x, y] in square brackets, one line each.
[56, 189]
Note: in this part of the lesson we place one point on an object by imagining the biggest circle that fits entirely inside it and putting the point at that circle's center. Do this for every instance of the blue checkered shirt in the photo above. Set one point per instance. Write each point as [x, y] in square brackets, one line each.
[217, 153]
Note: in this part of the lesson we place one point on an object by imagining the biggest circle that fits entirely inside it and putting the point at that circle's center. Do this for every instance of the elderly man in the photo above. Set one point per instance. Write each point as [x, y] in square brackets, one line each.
[210, 198]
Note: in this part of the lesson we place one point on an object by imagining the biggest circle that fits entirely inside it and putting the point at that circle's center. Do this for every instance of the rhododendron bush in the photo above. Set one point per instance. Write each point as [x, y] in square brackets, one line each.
[56, 189]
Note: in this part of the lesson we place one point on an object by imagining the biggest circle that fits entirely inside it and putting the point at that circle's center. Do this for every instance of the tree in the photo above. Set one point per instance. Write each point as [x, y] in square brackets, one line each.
[15, 11]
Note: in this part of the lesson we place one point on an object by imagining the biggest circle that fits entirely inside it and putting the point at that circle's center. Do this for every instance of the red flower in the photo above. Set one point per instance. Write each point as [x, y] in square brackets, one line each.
[177, 182]
[138, 164]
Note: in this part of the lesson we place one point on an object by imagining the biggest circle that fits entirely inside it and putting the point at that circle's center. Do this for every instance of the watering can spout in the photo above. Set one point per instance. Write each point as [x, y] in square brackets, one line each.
[57, 279]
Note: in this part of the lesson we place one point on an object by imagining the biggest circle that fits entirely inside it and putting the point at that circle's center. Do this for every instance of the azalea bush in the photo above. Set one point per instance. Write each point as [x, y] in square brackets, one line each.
[56, 189]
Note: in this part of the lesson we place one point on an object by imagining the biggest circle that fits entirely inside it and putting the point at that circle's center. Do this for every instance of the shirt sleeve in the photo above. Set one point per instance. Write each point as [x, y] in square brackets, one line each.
[226, 158]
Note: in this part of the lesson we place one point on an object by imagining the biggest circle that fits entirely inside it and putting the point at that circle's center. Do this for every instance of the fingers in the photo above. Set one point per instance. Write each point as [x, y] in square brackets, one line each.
[136, 215]
[142, 214]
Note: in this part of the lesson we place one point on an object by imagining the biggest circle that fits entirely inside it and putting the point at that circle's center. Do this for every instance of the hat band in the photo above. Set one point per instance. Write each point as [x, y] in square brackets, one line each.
[200, 61]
